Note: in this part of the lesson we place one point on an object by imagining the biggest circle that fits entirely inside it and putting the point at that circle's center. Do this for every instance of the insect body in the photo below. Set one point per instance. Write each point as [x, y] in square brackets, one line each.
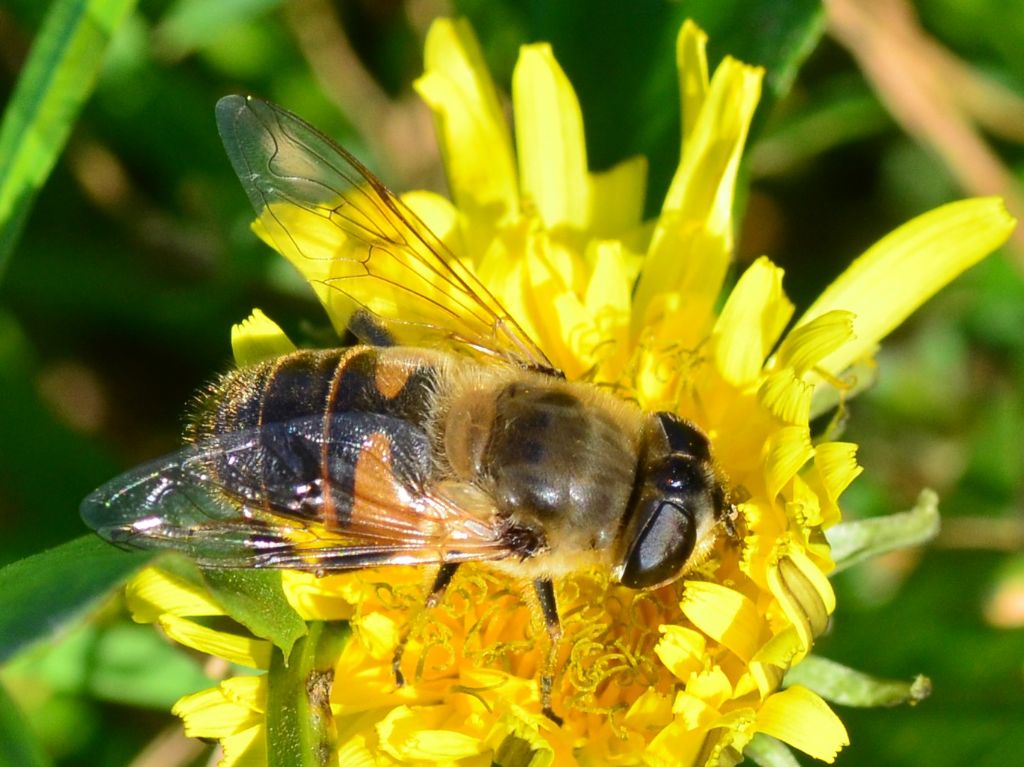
[448, 437]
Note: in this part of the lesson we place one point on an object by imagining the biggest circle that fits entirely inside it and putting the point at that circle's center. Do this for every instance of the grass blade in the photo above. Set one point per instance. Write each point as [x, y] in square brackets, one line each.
[60, 74]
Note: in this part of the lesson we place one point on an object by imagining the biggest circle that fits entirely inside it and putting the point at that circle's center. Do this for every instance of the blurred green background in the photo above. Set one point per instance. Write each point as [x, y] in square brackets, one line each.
[136, 257]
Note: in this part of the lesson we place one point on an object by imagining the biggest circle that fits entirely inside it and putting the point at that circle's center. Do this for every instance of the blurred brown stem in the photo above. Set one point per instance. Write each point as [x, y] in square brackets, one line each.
[171, 748]
[982, 533]
[936, 97]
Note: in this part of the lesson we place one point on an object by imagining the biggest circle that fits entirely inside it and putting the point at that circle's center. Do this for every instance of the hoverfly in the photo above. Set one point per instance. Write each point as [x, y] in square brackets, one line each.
[446, 436]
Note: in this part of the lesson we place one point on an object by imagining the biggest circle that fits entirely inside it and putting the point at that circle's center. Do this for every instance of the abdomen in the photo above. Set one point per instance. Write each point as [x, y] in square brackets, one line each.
[394, 382]
[313, 412]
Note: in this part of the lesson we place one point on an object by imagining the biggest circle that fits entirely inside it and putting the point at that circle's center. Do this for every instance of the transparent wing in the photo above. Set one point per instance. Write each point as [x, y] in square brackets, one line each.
[338, 493]
[347, 233]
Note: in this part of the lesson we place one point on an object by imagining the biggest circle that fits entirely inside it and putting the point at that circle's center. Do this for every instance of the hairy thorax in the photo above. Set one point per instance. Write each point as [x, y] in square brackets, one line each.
[555, 457]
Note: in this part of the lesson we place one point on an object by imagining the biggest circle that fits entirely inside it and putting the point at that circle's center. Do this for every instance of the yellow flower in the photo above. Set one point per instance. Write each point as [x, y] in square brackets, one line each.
[232, 712]
[690, 672]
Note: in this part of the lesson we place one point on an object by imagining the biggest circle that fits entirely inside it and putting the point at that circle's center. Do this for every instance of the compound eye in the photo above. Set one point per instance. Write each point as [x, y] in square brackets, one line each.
[684, 437]
[677, 474]
[662, 546]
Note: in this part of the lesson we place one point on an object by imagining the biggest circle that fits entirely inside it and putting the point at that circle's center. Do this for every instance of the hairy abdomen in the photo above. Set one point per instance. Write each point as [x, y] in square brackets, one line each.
[351, 396]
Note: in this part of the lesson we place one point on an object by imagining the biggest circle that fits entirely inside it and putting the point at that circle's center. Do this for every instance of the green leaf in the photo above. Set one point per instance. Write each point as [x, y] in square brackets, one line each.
[60, 74]
[848, 687]
[124, 663]
[255, 599]
[18, 745]
[41, 593]
[776, 36]
[298, 698]
[859, 540]
[192, 24]
[134, 665]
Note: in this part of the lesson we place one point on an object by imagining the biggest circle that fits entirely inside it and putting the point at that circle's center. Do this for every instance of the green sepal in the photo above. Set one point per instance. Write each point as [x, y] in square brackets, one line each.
[516, 751]
[847, 687]
[256, 599]
[859, 540]
[766, 751]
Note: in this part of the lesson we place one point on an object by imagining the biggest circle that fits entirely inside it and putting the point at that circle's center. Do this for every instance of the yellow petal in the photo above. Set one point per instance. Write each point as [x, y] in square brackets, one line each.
[440, 216]
[379, 633]
[732, 734]
[788, 450]
[679, 282]
[515, 734]
[154, 592]
[315, 599]
[611, 281]
[617, 199]
[651, 710]
[804, 721]
[772, 661]
[808, 344]
[804, 594]
[356, 752]
[504, 271]
[552, 305]
[705, 180]
[232, 706]
[837, 463]
[804, 501]
[234, 714]
[905, 268]
[813, 574]
[604, 344]
[692, 63]
[208, 714]
[245, 651]
[723, 614]
[692, 710]
[408, 734]
[712, 686]
[247, 748]
[562, 263]
[700, 200]
[258, 338]
[549, 139]
[787, 397]
[312, 243]
[677, 745]
[475, 139]
[754, 315]
[681, 650]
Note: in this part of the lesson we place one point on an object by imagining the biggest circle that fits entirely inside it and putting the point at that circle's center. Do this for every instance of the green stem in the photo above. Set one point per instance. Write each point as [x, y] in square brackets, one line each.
[299, 732]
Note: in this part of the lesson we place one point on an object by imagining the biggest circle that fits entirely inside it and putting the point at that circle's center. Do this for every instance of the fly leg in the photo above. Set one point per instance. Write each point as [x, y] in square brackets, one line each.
[546, 596]
[441, 581]
[366, 328]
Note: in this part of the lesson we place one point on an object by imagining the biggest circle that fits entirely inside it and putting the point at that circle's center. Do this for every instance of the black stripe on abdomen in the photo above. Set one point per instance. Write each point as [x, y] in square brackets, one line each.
[357, 386]
[298, 385]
